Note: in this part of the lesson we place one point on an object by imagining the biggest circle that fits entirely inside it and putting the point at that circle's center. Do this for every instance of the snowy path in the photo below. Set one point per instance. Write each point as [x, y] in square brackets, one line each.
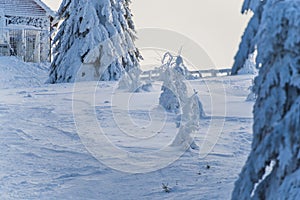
[42, 156]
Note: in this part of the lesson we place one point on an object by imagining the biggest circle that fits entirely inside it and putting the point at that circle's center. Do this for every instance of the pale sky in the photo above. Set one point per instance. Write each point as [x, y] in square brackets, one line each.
[216, 25]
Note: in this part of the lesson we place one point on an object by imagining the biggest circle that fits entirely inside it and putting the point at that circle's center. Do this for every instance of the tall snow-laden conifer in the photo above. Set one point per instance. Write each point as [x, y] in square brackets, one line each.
[125, 17]
[94, 41]
[248, 43]
[272, 170]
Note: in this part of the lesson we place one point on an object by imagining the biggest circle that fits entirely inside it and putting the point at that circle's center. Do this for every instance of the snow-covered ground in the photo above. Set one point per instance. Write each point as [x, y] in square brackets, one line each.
[43, 156]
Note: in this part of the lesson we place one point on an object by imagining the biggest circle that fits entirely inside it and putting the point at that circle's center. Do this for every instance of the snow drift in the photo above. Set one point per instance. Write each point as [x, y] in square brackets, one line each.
[15, 73]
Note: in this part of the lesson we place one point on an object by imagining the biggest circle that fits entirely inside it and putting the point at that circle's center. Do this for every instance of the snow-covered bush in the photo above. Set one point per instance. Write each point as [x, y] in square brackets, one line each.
[131, 82]
[97, 36]
[251, 96]
[276, 111]
[147, 87]
[249, 66]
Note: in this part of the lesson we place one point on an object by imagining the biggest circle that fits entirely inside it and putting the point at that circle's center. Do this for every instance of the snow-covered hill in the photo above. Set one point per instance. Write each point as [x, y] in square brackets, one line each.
[43, 157]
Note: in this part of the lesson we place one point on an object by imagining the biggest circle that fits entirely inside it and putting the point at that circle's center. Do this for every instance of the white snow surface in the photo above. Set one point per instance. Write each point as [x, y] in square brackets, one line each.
[42, 156]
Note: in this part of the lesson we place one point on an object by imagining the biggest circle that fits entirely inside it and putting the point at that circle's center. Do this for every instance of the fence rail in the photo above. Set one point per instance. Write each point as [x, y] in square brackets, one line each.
[154, 74]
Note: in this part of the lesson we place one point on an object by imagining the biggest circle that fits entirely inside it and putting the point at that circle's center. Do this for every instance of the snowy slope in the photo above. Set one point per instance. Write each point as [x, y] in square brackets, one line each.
[42, 156]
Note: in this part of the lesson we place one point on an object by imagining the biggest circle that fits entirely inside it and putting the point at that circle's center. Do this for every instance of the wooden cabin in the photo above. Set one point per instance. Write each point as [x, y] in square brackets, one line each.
[25, 29]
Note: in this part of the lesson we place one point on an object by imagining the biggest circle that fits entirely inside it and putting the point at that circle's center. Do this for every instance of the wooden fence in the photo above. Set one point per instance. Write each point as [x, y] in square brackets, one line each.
[154, 74]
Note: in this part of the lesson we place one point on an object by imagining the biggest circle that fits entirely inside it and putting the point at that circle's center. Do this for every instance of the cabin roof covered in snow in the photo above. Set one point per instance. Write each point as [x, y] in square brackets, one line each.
[35, 8]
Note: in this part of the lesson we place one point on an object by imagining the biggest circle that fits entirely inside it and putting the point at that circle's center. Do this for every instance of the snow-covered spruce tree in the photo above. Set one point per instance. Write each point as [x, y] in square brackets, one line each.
[277, 110]
[96, 35]
[174, 90]
[247, 45]
[190, 119]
